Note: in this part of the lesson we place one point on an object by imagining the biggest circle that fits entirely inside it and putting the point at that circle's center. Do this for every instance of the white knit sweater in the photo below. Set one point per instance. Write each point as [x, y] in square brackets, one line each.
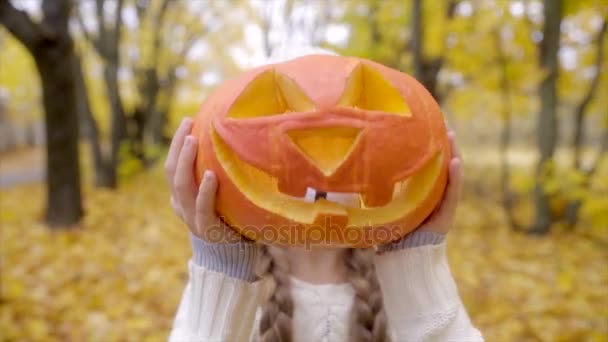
[420, 298]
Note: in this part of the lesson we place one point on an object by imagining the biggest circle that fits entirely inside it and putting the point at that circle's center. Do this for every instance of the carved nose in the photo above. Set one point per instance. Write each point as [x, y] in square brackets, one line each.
[328, 147]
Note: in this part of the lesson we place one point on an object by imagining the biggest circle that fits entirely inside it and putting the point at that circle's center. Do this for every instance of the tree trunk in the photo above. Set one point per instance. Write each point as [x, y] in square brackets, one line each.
[55, 65]
[417, 40]
[547, 119]
[55, 59]
[426, 69]
[119, 123]
[51, 46]
[136, 134]
[103, 173]
[163, 107]
[505, 136]
[151, 95]
[144, 116]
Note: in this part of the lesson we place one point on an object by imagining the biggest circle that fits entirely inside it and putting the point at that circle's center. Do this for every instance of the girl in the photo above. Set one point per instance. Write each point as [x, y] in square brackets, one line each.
[315, 295]
[402, 291]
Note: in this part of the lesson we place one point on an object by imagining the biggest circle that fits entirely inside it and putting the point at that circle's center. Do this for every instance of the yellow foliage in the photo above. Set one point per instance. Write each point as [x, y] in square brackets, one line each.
[120, 274]
[19, 82]
[116, 277]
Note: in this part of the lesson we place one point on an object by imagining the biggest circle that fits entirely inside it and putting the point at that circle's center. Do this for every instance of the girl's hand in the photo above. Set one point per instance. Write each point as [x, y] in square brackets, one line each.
[196, 207]
[442, 219]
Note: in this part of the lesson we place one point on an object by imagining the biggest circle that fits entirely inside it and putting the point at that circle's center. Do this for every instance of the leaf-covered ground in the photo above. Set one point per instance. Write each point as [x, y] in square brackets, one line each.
[120, 274]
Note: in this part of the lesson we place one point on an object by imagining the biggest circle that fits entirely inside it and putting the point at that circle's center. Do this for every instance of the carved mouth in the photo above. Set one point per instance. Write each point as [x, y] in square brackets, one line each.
[261, 189]
[347, 199]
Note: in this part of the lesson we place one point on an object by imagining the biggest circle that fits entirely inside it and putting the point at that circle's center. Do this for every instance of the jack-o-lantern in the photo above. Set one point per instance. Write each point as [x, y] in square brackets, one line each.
[327, 150]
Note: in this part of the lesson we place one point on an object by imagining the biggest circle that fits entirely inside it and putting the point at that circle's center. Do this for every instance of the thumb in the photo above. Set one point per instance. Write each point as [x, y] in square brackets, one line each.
[205, 202]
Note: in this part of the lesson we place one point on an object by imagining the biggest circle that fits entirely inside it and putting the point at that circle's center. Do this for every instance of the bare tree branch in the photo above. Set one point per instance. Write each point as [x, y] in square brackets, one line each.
[265, 26]
[158, 25]
[117, 27]
[87, 35]
[572, 211]
[20, 24]
[101, 28]
[108, 36]
[170, 78]
[573, 208]
[601, 153]
[581, 109]
[141, 7]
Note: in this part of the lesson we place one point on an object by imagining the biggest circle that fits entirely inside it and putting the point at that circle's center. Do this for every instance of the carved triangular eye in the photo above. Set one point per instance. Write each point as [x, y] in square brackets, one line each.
[270, 93]
[367, 89]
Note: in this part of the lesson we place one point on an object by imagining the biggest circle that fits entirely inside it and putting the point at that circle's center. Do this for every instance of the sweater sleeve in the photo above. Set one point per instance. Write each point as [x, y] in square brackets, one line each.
[414, 239]
[420, 295]
[220, 299]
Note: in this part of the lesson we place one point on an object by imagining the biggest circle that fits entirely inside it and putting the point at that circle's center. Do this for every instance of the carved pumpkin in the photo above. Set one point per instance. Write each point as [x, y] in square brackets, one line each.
[327, 150]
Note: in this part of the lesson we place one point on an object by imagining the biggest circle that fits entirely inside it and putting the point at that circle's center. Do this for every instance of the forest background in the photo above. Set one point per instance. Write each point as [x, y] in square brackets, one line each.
[91, 91]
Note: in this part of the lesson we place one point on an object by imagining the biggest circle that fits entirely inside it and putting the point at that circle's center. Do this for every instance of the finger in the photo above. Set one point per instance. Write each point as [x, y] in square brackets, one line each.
[185, 188]
[453, 146]
[205, 201]
[176, 208]
[454, 188]
[174, 149]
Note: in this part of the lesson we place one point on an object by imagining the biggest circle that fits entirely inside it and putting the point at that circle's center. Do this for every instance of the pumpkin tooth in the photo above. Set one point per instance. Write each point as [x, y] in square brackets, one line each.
[311, 195]
[399, 187]
[347, 199]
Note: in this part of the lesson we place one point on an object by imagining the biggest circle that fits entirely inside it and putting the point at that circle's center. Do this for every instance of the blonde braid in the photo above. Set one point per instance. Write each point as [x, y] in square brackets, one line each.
[369, 322]
[277, 312]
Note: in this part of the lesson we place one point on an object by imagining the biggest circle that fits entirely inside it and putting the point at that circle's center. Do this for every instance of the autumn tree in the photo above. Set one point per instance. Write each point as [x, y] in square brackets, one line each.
[379, 30]
[580, 112]
[153, 55]
[546, 128]
[265, 15]
[506, 77]
[426, 67]
[506, 114]
[167, 33]
[106, 43]
[290, 23]
[406, 35]
[51, 46]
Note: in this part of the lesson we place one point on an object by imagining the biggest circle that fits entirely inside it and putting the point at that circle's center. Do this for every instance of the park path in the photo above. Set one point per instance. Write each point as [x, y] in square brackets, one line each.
[9, 179]
[22, 167]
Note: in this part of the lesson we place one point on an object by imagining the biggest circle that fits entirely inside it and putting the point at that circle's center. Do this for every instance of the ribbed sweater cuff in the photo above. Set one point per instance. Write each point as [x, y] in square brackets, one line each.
[413, 239]
[236, 260]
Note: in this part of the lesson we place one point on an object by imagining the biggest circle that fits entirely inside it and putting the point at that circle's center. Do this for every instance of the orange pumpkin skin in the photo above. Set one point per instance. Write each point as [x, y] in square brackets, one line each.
[265, 160]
